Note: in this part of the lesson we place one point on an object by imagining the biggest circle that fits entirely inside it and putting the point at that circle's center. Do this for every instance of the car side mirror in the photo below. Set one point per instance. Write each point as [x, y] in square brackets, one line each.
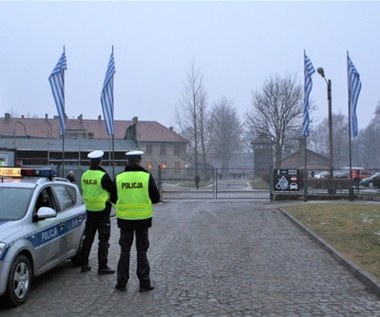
[46, 212]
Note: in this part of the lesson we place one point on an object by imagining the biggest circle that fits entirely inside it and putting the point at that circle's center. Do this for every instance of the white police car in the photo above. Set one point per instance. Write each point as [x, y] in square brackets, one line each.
[42, 220]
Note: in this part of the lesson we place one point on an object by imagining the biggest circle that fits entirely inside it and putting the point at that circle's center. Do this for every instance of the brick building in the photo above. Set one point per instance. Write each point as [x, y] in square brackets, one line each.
[314, 161]
[36, 141]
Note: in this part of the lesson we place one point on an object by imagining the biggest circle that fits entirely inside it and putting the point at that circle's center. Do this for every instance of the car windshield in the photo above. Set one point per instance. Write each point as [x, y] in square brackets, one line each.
[14, 202]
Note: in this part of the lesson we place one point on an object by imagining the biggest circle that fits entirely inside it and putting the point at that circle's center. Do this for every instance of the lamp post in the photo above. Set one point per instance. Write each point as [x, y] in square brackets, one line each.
[49, 134]
[24, 128]
[329, 100]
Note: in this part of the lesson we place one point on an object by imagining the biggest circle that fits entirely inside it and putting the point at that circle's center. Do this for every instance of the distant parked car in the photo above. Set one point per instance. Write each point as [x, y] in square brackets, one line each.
[321, 174]
[376, 182]
[361, 174]
[357, 174]
[370, 181]
[342, 174]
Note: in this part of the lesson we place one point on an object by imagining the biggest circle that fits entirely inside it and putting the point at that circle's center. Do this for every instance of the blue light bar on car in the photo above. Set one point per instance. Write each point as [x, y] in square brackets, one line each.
[26, 171]
[39, 172]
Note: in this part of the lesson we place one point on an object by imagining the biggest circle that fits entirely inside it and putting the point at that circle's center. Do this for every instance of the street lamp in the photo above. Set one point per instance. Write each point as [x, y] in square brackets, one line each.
[49, 134]
[50, 129]
[331, 166]
[24, 128]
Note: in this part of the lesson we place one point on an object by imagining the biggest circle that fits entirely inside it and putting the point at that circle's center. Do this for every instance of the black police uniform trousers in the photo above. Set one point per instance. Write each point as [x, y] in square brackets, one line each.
[97, 221]
[127, 233]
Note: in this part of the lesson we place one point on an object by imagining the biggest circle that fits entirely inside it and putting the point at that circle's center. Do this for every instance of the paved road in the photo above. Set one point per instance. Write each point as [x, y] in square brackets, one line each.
[212, 259]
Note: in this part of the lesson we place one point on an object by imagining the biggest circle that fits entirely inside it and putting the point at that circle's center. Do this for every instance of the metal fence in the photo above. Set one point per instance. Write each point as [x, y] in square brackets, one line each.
[235, 183]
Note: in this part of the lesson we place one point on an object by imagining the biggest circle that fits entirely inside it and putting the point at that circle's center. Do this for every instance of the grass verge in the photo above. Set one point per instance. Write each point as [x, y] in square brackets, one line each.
[352, 228]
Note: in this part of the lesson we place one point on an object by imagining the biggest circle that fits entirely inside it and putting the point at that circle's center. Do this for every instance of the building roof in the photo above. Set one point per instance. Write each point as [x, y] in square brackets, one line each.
[152, 131]
[146, 131]
[313, 160]
[70, 145]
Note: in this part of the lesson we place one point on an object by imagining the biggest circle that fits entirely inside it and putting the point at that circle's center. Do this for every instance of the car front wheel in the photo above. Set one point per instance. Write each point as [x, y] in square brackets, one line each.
[19, 281]
[370, 185]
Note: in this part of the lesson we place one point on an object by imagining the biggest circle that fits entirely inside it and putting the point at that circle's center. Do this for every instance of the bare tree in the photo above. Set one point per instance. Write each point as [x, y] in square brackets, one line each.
[191, 116]
[318, 138]
[204, 134]
[226, 131]
[340, 140]
[277, 113]
[320, 135]
[365, 149]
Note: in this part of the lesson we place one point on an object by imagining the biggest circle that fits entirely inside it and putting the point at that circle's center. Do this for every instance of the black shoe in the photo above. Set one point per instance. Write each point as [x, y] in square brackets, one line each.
[106, 270]
[121, 288]
[146, 288]
[85, 268]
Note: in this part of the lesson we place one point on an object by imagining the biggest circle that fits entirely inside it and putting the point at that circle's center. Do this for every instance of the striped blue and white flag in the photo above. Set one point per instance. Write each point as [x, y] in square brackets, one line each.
[354, 87]
[308, 85]
[57, 83]
[106, 97]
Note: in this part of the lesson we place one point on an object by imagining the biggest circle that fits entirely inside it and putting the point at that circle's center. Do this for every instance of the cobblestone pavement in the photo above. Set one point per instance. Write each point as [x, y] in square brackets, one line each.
[211, 258]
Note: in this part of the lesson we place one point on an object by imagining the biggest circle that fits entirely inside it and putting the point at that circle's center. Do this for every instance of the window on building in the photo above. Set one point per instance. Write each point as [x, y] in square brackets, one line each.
[177, 149]
[163, 149]
[148, 149]
[177, 167]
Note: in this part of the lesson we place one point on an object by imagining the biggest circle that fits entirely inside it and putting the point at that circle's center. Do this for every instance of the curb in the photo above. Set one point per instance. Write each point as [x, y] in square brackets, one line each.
[365, 277]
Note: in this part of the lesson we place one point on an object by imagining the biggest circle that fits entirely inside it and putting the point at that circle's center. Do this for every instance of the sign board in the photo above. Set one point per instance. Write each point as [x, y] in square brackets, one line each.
[286, 179]
[10, 171]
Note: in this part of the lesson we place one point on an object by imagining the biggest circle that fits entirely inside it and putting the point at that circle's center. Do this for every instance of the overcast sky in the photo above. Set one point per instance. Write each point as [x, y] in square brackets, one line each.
[237, 46]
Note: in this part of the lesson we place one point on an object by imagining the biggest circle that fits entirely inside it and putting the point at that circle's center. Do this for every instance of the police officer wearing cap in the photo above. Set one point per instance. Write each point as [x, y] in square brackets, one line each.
[96, 188]
[134, 193]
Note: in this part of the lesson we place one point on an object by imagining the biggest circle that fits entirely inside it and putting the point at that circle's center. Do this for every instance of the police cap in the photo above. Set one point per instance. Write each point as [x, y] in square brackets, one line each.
[95, 155]
[134, 154]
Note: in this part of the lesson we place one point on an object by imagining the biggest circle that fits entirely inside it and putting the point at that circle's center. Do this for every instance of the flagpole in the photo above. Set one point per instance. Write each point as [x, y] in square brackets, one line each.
[57, 83]
[107, 102]
[305, 174]
[63, 155]
[305, 135]
[308, 84]
[113, 134]
[63, 132]
[350, 190]
[305, 169]
[113, 156]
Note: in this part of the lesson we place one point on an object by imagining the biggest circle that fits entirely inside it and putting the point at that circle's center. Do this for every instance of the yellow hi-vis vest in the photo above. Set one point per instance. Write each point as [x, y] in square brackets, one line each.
[133, 201]
[94, 196]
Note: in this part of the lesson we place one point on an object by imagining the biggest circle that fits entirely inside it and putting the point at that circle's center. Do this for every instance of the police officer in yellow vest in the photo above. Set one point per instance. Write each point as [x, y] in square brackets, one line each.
[134, 193]
[96, 188]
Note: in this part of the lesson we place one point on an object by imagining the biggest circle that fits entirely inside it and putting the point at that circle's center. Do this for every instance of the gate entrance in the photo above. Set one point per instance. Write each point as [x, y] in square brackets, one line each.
[213, 184]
